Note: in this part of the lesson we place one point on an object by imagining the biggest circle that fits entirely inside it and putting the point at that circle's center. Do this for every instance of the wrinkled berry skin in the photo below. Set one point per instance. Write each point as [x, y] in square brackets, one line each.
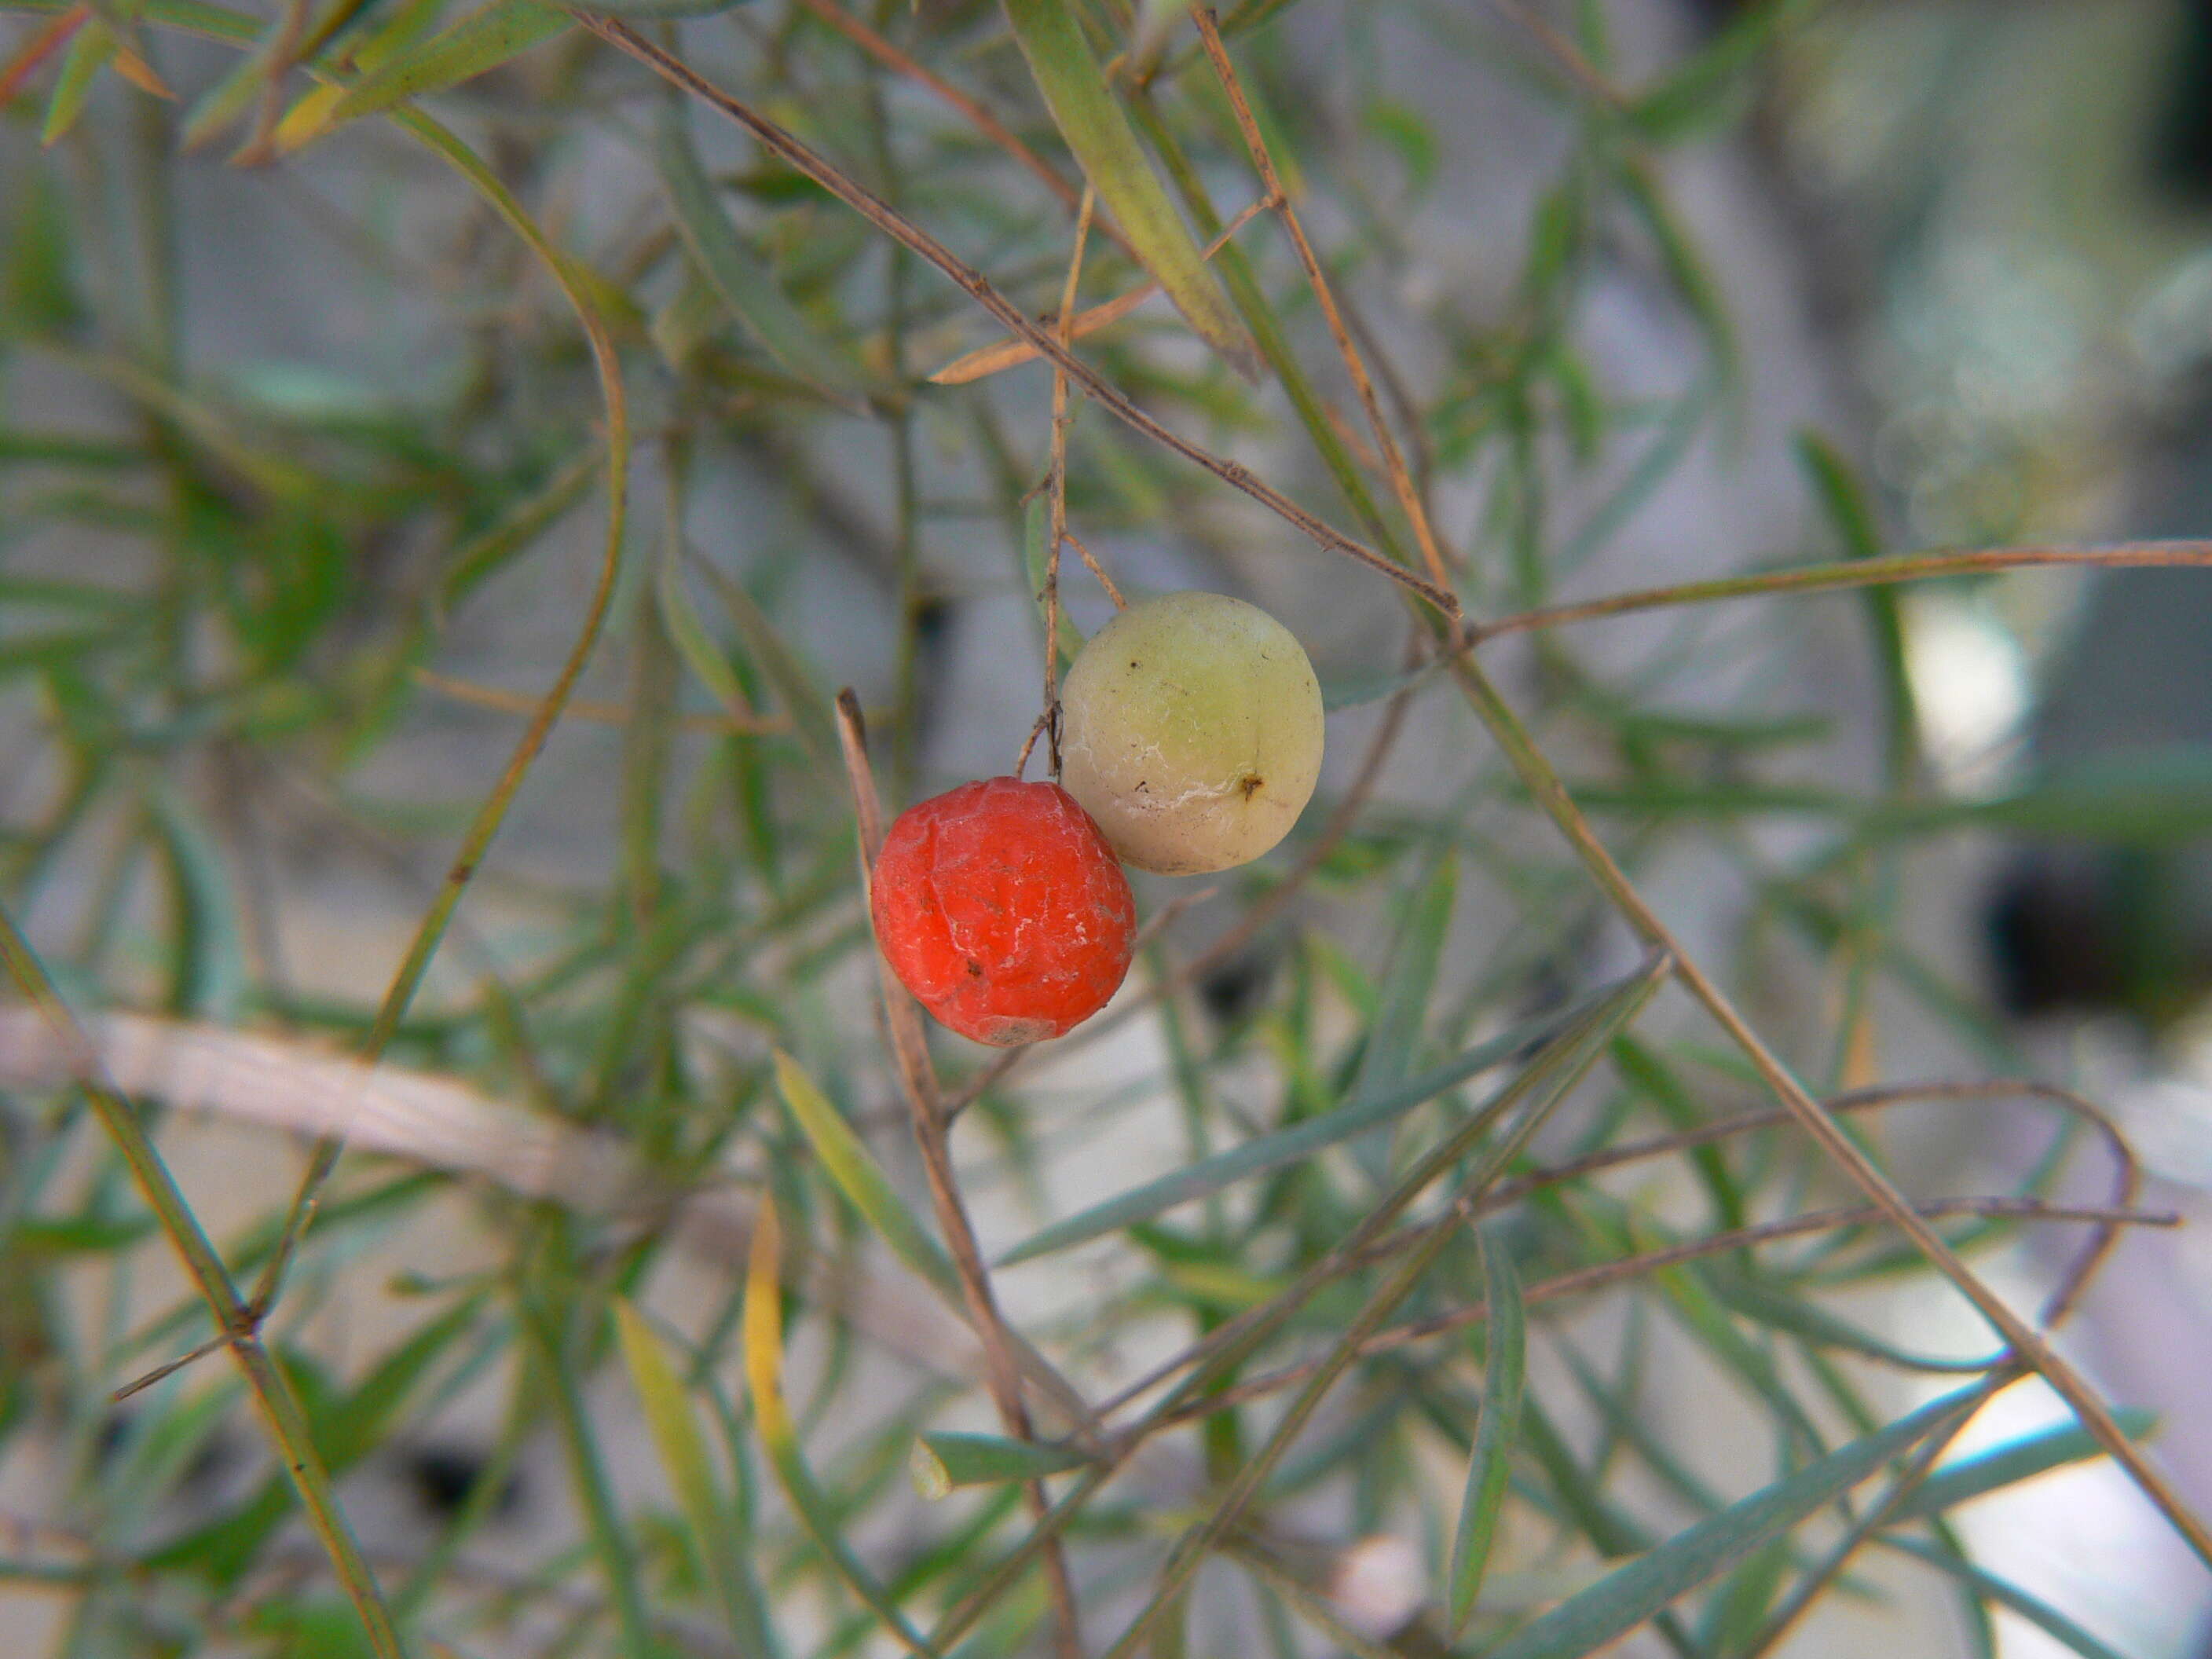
[1000, 906]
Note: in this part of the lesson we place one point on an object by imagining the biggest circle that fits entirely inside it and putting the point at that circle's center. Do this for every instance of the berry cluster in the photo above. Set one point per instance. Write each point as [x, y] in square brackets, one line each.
[1192, 731]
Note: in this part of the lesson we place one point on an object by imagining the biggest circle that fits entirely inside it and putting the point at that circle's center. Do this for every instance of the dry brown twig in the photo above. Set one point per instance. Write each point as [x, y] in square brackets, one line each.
[982, 119]
[910, 1050]
[979, 288]
[1607, 1273]
[1056, 489]
[1550, 791]
[1393, 462]
[1838, 578]
[985, 360]
[601, 714]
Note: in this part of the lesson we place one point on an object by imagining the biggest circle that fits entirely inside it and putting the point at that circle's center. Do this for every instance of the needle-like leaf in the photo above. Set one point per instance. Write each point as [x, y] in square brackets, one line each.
[1082, 106]
[1504, 1369]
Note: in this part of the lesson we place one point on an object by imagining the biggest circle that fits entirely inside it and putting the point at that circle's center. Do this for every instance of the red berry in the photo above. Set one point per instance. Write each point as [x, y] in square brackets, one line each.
[999, 905]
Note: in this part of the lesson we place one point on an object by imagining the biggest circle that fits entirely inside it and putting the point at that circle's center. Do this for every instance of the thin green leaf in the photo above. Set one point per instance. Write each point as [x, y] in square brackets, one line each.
[1629, 1596]
[802, 699]
[2154, 798]
[1771, 1304]
[1704, 91]
[1626, 1426]
[762, 1321]
[1395, 1031]
[943, 1461]
[208, 953]
[1402, 127]
[858, 1176]
[2040, 1613]
[1734, 1613]
[1083, 107]
[1962, 1482]
[1495, 1427]
[1690, 1296]
[224, 101]
[1843, 498]
[479, 43]
[1273, 1151]
[484, 555]
[1692, 276]
[93, 50]
[687, 320]
[1295, 1595]
[606, 1535]
[701, 654]
[656, 9]
[1647, 1071]
[713, 1535]
[397, 31]
[740, 276]
[349, 1431]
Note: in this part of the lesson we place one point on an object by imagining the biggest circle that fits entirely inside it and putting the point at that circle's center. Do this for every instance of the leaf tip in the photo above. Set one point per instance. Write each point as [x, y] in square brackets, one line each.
[931, 1478]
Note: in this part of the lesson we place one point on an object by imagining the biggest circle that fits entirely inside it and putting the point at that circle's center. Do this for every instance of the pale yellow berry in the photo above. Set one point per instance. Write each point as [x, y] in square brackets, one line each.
[1191, 730]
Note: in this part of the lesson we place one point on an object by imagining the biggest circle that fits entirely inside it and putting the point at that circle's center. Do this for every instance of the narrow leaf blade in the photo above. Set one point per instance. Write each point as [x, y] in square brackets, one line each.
[2039, 1613]
[683, 1451]
[1970, 1478]
[862, 1181]
[974, 1460]
[760, 1323]
[479, 43]
[91, 52]
[1627, 1596]
[802, 699]
[1395, 1033]
[740, 276]
[1083, 108]
[1505, 1370]
[701, 654]
[1273, 1151]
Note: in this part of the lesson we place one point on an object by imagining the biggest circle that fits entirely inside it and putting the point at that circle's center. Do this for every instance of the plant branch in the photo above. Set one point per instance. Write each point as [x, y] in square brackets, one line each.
[982, 119]
[1604, 1274]
[1544, 783]
[323, 1158]
[910, 1049]
[908, 234]
[1401, 480]
[1847, 574]
[240, 1324]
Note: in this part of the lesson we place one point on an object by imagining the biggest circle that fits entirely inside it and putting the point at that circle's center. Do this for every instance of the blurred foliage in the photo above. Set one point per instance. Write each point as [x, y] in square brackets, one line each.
[235, 585]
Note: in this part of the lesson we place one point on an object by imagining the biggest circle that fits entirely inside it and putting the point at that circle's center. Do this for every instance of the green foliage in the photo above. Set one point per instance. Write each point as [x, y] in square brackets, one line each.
[244, 593]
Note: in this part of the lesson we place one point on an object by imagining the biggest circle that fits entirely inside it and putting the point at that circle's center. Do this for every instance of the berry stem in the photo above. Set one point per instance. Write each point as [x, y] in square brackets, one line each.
[918, 1079]
[1056, 484]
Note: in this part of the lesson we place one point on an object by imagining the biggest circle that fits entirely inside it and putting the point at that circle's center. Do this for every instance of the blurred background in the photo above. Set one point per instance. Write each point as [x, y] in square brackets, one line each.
[300, 512]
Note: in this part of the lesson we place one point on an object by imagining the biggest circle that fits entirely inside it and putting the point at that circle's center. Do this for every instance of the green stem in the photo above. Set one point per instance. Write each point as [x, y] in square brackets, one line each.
[1847, 573]
[1545, 785]
[605, 1524]
[323, 1158]
[272, 1394]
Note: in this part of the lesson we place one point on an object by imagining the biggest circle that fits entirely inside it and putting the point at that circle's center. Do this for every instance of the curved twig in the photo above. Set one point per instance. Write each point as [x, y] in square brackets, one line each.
[1847, 574]
[903, 230]
[1606, 1273]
